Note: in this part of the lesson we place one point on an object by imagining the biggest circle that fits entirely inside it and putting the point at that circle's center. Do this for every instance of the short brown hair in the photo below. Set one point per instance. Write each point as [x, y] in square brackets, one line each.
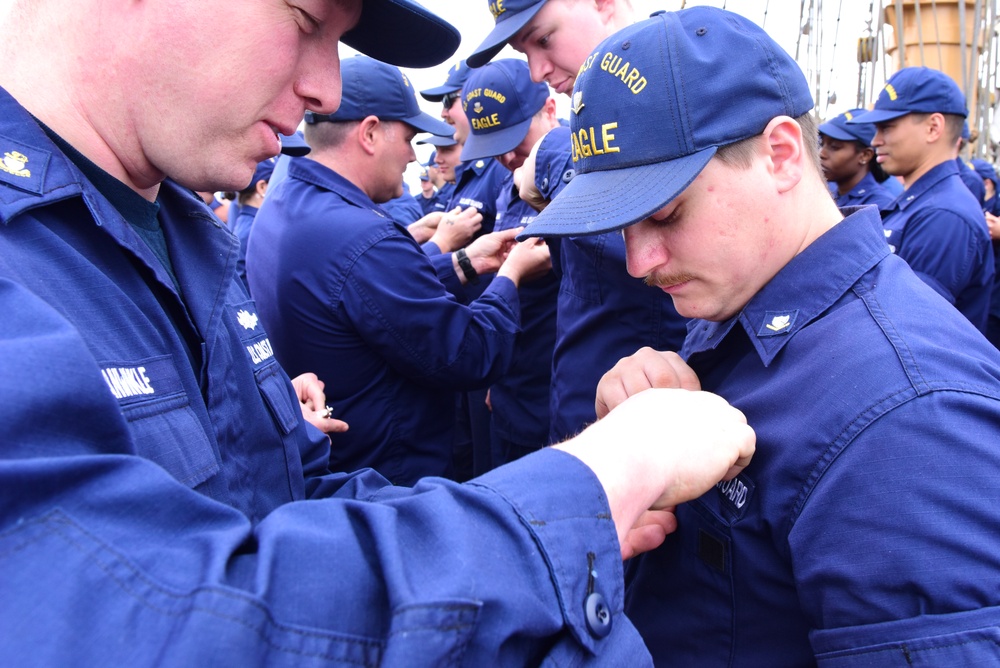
[740, 154]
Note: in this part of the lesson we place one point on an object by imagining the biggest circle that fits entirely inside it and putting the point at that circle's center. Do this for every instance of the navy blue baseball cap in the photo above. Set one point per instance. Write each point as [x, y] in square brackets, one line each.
[838, 128]
[915, 90]
[500, 99]
[510, 17]
[554, 162]
[424, 176]
[294, 145]
[457, 75]
[263, 171]
[435, 140]
[373, 88]
[653, 103]
[985, 170]
[403, 33]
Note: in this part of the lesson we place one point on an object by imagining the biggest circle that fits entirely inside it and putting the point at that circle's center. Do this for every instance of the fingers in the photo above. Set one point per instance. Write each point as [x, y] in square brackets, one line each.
[745, 438]
[646, 369]
[649, 532]
[309, 389]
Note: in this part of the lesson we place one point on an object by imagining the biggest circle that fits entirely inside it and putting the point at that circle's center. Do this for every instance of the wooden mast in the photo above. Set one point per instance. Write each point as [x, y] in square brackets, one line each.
[947, 35]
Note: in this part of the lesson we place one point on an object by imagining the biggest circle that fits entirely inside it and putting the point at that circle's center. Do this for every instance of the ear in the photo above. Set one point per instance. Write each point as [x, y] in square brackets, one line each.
[936, 128]
[369, 134]
[550, 108]
[866, 155]
[261, 187]
[786, 151]
[606, 9]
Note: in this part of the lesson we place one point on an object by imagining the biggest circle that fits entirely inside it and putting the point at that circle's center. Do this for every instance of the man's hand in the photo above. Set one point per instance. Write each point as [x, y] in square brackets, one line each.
[456, 228]
[422, 229]
[657, 449]
[312, 402]
[527, 261]
[993, 223]
[645, 369]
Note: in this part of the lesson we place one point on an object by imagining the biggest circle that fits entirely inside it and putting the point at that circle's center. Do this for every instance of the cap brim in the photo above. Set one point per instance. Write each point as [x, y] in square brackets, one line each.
[402, 33]
[437, 94]
[500, 35]
[606, 201]
[833, 132]
[877, 116]
[424, 122]
[439, 140]
[294, 145]
[495, 143]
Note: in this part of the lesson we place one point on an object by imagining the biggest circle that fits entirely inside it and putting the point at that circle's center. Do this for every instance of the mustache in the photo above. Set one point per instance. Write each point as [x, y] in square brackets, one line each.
[655, 280]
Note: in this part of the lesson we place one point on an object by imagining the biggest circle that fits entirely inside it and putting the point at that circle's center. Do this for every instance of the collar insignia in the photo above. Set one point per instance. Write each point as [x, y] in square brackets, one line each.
[15, 163]
[777, 323]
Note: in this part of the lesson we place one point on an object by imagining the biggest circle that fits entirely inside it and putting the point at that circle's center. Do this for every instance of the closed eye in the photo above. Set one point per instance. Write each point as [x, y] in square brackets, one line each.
[307, 22]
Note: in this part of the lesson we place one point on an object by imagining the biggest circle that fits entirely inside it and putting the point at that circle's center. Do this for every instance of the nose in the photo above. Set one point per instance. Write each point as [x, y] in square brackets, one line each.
[643, 251]
[318, 81]
[878, 139]
[540, 68]
[507, 159]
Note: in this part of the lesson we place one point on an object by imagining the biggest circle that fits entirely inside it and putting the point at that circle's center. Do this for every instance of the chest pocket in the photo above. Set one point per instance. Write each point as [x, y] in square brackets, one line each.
[165, 428]
[266, 370]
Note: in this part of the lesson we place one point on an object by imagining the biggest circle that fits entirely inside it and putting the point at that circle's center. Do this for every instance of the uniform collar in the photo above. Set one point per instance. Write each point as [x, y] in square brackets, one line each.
[321, 176]
[866, 183]
[804, 289]
[934, 176]
[30, 163]
[479, 166]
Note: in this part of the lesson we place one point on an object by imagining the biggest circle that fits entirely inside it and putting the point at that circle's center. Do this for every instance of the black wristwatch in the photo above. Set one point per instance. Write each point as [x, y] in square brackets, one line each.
[471, 275]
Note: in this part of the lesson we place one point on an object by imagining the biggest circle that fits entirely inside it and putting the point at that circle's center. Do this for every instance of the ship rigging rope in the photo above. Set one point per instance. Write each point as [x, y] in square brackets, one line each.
[830, 85]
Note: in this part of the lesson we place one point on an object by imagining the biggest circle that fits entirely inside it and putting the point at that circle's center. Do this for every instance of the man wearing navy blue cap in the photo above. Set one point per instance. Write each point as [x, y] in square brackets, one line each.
[937, 226]
[966, 171]
[861, 533]
[555, 35]
[988, 174]
[375, 320]
[508, 114]
[848, 162]
[447, 93]
[603, 313]
[548, 169]
[991, 209]
[163, 500]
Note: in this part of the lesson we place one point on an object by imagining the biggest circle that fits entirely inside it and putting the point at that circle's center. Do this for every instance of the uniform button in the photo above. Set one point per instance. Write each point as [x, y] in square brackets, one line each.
[598, 616]
[568, 175]
[545, 183]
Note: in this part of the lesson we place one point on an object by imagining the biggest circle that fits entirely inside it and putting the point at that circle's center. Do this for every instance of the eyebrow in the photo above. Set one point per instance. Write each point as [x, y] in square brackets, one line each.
[521, 38]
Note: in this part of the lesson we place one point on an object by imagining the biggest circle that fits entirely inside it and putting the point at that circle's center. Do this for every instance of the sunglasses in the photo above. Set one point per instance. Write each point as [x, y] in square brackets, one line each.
[449, 99]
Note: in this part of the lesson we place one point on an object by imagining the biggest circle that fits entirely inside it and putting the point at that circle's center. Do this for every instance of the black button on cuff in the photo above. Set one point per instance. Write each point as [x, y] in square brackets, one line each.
[598, 616]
